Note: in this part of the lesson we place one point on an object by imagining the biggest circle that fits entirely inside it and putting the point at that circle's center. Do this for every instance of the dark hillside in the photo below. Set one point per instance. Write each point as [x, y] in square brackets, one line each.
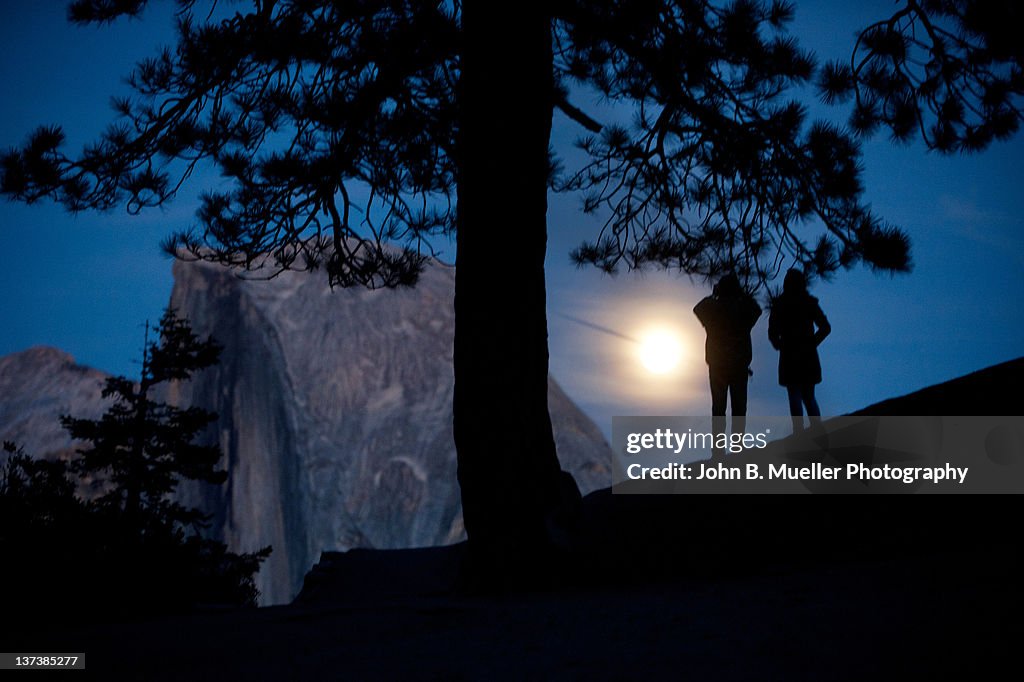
[994, 390]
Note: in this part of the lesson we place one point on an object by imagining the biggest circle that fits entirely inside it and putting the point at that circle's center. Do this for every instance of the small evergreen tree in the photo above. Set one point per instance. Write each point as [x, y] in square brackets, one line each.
[142, 448]
[127, 549]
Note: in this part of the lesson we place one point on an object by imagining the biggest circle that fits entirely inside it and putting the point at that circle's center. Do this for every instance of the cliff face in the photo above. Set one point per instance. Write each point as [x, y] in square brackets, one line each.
[335, 416]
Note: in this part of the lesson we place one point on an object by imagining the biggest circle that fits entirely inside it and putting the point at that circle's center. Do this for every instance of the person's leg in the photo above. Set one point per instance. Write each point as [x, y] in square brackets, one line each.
[814, 416]
[738, 393]
[719, 387]
[807, 393]
[795, 407]
[738, 397]
[813, 412]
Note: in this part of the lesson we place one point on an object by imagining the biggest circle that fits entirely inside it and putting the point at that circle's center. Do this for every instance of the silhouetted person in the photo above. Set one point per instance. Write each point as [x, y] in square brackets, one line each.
[728, 315]
[796, 326]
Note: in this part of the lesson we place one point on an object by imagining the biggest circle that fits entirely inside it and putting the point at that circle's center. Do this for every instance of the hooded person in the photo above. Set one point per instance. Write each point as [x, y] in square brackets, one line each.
[727, 316]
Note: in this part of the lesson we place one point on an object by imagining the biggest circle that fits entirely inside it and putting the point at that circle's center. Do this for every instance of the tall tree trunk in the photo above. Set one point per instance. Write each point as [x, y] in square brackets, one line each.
[508, 469]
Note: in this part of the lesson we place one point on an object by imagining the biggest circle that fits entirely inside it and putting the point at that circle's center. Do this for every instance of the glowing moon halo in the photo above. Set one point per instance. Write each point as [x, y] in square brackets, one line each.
[660, 352]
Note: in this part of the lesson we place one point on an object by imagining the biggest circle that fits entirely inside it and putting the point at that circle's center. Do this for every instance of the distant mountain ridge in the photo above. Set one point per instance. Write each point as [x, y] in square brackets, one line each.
[39, 385]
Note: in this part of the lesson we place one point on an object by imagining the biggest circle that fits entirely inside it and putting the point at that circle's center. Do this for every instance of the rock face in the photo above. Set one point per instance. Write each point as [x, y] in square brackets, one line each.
[39, 385]
[335, 416]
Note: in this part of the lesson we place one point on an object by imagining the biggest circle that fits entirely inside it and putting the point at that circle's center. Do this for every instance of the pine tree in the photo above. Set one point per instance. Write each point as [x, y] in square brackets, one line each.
[130, 547]
[140, 449]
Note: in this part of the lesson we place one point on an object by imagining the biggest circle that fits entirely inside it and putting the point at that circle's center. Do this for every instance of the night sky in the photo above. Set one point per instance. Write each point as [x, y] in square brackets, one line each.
[87, 283]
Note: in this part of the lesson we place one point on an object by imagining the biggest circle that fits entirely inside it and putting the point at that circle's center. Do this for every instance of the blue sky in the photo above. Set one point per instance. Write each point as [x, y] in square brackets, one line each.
[87, 283]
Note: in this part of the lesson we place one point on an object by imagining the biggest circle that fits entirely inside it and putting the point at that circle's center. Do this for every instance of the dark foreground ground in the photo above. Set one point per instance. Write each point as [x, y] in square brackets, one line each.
[700, 587]
[785, 595]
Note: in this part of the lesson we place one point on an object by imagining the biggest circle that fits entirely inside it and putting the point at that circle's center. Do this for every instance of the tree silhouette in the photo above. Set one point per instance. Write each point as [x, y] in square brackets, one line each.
[140, 449]
[129, 543]
[45, 524]
[36, 496]
[440, 113]
[951, 73]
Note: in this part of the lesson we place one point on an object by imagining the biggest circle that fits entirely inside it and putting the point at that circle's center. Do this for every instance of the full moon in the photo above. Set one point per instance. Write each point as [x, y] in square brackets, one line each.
[660, 352]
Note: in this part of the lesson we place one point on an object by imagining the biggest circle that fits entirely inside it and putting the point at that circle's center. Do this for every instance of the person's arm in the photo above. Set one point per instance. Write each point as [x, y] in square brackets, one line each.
[703, 310]
[773, 331]
[753, 312]
[821, 322]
